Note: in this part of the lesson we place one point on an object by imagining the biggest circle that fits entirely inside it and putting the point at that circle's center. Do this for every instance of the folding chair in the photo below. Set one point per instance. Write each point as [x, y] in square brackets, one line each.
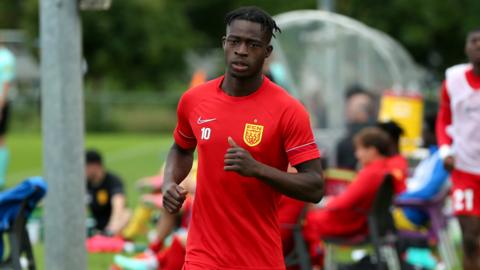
[438, 229]
[16, 204]
[299, 255]
[381, 233]
[19, 242]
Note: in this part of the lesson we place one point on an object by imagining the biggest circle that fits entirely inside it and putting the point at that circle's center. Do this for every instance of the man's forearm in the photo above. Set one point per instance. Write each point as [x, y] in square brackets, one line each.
[306, 185]
[117, 218]
[178, 165]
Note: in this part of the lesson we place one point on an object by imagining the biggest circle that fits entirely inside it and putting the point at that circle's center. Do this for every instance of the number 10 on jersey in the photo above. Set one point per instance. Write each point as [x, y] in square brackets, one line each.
[205, 133]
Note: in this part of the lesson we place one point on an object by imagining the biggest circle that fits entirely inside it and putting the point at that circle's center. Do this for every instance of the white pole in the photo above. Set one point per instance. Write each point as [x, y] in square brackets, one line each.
[63, 134]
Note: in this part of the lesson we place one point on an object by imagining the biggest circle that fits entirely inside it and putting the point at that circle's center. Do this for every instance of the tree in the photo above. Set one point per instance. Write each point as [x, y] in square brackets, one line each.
[432, 31]
[140, 43]
[134, 45]
[9, 13]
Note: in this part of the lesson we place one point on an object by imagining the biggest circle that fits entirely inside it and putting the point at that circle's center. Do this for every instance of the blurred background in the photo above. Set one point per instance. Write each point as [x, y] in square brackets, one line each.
[141, 55]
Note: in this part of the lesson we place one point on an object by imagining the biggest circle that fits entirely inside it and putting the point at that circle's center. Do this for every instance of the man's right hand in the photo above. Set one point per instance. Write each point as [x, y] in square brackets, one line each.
[449, 163]
[173, 197]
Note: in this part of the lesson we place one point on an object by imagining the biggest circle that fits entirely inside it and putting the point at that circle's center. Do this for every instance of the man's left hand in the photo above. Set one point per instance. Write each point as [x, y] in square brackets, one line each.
[240, 160]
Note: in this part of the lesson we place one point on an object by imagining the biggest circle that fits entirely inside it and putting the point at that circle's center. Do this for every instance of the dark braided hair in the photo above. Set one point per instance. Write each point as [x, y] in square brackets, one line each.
[254, 14]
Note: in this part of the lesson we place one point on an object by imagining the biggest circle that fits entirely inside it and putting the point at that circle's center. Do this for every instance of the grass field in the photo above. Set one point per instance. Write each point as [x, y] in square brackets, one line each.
[129, 155]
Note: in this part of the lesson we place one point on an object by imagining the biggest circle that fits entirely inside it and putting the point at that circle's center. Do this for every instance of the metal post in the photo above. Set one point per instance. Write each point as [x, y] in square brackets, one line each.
[63, 134]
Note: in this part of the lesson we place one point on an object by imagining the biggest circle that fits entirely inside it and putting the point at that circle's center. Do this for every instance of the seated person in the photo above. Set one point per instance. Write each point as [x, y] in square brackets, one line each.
[428, 179]
[172, 257]
[152, 201]
[346, 214]
[105, 195]
[396, 161]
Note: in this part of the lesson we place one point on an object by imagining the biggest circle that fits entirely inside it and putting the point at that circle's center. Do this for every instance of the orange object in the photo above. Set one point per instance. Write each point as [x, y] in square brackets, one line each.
[199, 77]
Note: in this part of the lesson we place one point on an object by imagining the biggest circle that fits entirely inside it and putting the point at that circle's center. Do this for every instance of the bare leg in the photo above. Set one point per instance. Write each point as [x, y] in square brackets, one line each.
[165, 225]
[471, 242]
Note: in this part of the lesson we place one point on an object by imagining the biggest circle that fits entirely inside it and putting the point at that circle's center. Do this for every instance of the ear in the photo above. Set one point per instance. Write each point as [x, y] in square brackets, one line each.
[268, 51]
[224, 39]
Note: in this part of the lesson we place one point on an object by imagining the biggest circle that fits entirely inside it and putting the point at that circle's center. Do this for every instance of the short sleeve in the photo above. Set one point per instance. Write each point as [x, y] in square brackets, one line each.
[117, 186]
[298, 140]
[183, 133]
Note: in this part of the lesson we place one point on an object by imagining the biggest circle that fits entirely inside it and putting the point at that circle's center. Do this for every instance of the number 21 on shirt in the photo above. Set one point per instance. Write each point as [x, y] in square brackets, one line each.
[463, 199]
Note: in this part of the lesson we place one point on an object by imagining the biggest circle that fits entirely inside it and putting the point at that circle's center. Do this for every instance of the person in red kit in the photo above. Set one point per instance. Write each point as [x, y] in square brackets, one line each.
[246, 130]
[346, 214]
[458, 135]
[396, 161]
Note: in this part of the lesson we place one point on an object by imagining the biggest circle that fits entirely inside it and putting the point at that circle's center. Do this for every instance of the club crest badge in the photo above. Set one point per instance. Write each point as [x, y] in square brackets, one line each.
[252, 135]
[102, 197]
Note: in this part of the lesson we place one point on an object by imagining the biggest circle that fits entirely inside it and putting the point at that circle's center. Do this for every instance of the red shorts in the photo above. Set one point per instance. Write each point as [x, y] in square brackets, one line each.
[465, 193]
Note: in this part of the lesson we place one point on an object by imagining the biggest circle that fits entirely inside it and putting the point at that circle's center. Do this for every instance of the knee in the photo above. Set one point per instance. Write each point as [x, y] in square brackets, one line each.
[470, 245]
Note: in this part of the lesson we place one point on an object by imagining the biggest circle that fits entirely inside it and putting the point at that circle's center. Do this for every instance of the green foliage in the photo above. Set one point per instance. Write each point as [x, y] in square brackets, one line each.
[9, 11]
[432, 31]
[139, 43]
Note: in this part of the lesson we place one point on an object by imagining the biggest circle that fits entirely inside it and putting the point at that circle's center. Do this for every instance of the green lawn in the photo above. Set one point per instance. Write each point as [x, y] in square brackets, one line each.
[129, 155]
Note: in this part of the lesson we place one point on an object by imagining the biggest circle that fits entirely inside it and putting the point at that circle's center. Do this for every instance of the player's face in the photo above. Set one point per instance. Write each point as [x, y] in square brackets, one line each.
[246, 47]
[472, 47]
[364, 154]
[92, 172]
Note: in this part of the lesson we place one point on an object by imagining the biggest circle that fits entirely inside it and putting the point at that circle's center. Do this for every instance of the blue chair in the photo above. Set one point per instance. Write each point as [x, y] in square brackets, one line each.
[16, 204]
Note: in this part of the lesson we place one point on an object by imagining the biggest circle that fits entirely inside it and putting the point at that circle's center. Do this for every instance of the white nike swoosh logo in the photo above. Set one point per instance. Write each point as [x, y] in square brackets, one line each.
[203, 121]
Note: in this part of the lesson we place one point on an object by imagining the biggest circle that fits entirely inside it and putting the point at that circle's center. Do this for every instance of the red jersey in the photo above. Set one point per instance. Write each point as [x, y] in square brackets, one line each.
[346, 214]
[398, 166]
[234, 221]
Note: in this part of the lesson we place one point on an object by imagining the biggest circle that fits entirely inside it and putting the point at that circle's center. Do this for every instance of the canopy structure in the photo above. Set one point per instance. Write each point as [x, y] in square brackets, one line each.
[320, 54]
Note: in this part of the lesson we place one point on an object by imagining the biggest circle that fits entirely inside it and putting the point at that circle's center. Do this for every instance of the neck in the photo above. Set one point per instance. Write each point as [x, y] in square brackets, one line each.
[373, 159]
[239, 87]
